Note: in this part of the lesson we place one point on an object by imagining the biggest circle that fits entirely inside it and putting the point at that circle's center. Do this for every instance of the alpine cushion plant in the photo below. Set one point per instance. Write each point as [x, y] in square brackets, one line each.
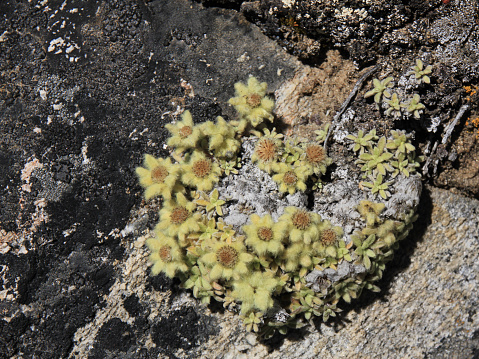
[261, 265]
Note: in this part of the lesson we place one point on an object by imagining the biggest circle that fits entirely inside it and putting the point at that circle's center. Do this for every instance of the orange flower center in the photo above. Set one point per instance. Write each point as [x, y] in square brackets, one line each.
[266, 149]
[315, 154]
[328, 237]
[158, 174]
[301, 220]
[227, 256]
[265, 233]
[202, 168]
[165, 254]
[254, 100]
[185, 131]
[290, 178]
[179, 215]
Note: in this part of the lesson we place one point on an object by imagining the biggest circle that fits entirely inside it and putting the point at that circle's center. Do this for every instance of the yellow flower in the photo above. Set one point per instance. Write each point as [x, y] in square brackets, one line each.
[159, 177]
[266, 153]
[222, 141]
[328, 239]
[166, 255]
[255, 291]
[178, 217]
[264, 235]
[200, 172]
[227, 260]
[251, 103]
[290, 179]
[302, 225]
[184, 134]
[298, 254]
[315, 159]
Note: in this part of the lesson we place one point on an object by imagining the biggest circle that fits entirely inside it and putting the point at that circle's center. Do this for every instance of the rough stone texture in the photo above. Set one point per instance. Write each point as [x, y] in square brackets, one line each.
[85, 90]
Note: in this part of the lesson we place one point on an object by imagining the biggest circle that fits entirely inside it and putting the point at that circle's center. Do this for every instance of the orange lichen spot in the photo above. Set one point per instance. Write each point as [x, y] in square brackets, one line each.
[185, 131]
[328, 237]
[475, 123]
[158, 174]
[227, 256]
[179, 215]
[265, 233]
[301, 220]
[165, 253]
[202, 168]
[471, 91]
[315, 154]
[266, 150]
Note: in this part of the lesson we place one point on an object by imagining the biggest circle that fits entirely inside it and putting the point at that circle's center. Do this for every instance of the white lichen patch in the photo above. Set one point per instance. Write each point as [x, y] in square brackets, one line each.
[350, 15]
[134, 271]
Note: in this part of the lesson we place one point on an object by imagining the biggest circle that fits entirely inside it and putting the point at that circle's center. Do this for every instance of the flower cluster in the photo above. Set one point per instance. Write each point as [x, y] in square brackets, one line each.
[263, 265]
[290, 161]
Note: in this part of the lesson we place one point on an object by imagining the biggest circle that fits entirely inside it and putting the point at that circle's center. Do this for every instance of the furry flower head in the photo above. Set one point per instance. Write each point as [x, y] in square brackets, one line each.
[227, 260]
[166, 255]
[251, 103]
[159, 177]
[201, 172]
[184, 134]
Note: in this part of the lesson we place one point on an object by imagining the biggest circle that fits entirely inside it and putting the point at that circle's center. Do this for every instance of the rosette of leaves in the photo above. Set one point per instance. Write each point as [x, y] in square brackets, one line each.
[420, 73]
[400, 143]
[221, 136]
[363, 249]
[198, 282]
[211, 203]
[255, 291]
[380, 89]
[379, 187]
[394, 108]
[184, 134]
[266, 153]
[227, 260]
[314, 159]
[264, 235]
[178, 218]
[362, 141]
[376, 160]
[306, 301]
[251, 103]
[290, 179]
[302, 225]
[166, 255]
[200, 172]
[322, 133]
[414, 106]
